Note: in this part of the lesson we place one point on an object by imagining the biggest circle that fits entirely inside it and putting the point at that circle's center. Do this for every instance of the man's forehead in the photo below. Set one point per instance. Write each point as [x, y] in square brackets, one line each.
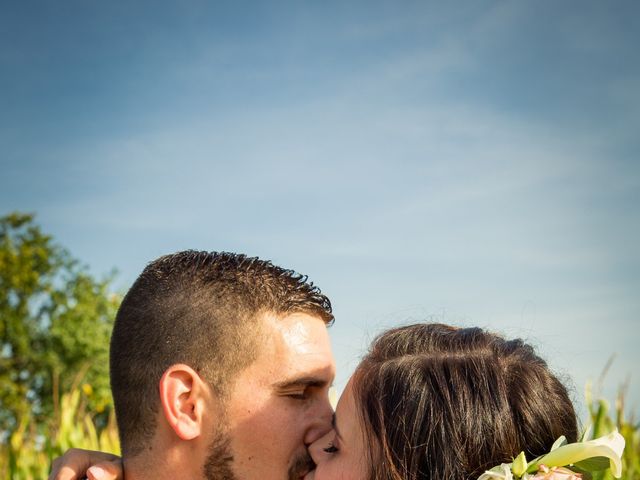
[298, 331]
[299, 337]
[298, 348]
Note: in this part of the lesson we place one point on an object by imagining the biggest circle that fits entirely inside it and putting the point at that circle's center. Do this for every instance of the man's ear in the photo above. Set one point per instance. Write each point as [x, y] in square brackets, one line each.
[183, 396]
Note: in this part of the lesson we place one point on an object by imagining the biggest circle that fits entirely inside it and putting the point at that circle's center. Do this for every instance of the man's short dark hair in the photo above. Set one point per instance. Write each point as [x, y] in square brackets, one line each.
[202, 309]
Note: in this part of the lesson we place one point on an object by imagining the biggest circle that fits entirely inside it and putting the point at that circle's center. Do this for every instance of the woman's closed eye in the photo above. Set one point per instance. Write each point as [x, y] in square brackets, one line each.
[331, 448]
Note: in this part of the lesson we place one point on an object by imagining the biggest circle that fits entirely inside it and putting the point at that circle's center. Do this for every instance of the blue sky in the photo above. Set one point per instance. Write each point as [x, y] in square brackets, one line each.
[474, 163]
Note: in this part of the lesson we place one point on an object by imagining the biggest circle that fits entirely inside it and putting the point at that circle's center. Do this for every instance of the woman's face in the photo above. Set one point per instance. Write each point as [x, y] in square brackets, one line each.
[341, 453]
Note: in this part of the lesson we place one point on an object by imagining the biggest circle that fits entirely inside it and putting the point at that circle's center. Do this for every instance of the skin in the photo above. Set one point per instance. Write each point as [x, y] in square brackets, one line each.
[276, 408]
[341, 453]
[280, 404]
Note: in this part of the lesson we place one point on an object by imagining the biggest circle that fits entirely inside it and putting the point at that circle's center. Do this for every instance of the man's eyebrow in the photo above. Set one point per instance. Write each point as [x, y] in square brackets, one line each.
[301, 382]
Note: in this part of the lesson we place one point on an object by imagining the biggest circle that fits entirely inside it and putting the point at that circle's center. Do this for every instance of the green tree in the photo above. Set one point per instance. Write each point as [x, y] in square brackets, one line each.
[55, 320]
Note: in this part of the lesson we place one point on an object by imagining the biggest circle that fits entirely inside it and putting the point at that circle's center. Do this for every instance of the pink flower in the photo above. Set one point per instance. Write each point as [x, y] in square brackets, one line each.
[555, 473]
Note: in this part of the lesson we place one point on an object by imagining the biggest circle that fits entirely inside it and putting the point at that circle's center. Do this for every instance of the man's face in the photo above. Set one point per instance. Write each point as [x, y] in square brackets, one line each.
[280, 404]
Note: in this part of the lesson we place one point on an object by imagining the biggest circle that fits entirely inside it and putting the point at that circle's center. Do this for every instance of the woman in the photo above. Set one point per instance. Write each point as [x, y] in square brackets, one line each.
[431, 401]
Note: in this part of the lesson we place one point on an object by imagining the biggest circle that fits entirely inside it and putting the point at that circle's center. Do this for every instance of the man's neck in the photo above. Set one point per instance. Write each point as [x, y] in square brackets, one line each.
[161, 466]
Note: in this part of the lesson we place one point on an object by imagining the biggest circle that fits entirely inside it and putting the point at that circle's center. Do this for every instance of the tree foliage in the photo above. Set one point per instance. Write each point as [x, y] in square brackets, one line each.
[55, 320]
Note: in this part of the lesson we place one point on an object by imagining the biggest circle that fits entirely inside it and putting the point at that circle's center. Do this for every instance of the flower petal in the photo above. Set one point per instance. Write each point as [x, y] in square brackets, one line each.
[519, 465]
[501, 472]
[610, 446]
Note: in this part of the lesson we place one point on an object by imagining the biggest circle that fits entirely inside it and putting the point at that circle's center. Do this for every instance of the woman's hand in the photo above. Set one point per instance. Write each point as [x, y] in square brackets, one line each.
[76, 463]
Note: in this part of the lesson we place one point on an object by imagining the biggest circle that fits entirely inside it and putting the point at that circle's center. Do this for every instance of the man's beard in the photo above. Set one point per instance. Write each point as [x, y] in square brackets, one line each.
[300, 465]
[217, 465]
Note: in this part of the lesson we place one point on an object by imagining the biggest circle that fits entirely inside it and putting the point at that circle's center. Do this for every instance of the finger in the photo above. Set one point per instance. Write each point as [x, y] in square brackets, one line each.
[70, 466]
[75, 462]
[65, 472]
[105, 471]
[55, 466]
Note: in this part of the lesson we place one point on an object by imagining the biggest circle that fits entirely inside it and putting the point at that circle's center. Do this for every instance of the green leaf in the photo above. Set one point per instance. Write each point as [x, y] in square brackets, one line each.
[594, 464]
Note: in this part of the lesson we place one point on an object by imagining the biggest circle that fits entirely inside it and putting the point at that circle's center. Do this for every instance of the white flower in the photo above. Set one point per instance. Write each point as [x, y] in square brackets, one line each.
[609, 446]
[588, 456]
[501, 472]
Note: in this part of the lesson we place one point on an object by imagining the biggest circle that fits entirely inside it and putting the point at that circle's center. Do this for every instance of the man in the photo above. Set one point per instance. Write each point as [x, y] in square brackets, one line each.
[220, 369]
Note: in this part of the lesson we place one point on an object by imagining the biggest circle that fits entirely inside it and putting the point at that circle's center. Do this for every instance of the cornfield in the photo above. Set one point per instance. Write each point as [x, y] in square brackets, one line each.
[27, 452]
[602, 422]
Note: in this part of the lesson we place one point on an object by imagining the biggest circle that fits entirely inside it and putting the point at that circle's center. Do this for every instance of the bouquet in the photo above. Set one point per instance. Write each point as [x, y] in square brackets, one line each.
[565, 461]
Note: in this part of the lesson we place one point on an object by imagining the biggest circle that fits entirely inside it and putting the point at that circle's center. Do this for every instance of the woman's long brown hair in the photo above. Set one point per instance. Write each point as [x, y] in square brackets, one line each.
[445, 403]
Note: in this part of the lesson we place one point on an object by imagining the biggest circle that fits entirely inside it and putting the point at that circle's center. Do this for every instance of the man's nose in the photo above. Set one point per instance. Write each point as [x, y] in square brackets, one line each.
[321, 422]
[316, 449]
